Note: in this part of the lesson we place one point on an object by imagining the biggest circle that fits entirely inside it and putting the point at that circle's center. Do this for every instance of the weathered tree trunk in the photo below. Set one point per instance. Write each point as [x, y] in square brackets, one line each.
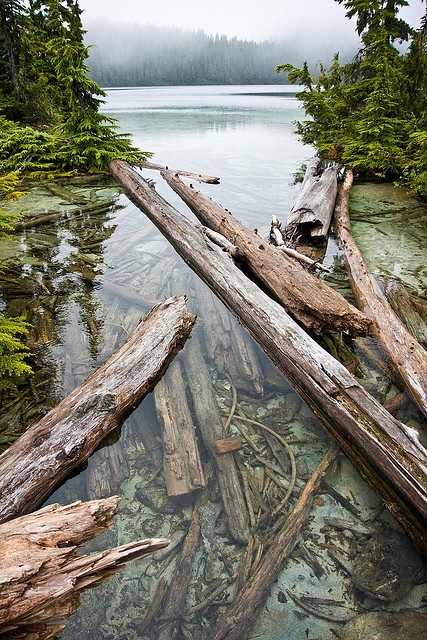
[174, 604]
[41, 573]
[307, 299]
[181, 458]
[69, 433]
[209, 422]
[237, 622]
[406, 355]
[312, 212]
[386, 452]
[411, 309]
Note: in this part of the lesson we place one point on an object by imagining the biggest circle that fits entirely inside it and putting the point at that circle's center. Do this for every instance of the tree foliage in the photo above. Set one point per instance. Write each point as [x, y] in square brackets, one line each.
[371, 113]
[12, 351]
[49, 107]
[50, 121]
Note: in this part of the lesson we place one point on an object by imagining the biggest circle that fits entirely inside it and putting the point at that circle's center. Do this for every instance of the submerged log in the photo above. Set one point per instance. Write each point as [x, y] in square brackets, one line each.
[181, 458]
[411, 309]
[69, 433]
[406, 355]
[387, 453]
[209, 421]
[174, 604]
[41, 573]
[237, 622]
[312, 212]
[307, 299]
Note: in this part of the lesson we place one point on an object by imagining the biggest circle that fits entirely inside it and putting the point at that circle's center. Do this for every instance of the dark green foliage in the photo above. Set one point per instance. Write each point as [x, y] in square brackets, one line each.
[370, 114]
[49, 121]
[48, 104]
[12, 351]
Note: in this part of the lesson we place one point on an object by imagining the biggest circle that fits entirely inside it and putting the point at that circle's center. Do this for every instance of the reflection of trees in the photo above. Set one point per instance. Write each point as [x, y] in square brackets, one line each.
[49, 278]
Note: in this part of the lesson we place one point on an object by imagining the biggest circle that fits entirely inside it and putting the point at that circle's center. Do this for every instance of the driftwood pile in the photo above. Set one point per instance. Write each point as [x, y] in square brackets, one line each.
[387, 452]
[40, 572]
[282, 304]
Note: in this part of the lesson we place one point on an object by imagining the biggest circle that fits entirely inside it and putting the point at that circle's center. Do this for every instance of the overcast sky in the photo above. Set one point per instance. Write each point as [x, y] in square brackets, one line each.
[247, 19]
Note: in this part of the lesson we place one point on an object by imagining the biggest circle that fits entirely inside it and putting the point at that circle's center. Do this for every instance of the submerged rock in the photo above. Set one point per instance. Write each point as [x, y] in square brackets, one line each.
[405, 625]
[388, 567]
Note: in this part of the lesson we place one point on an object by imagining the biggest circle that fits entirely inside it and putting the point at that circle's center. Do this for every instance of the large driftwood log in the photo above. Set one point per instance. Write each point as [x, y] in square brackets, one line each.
[69, 433]
[237, 622]
[42, 575]
[313, 208]
[388, 454]
[307, 299]
[405, 354]
[181, 458]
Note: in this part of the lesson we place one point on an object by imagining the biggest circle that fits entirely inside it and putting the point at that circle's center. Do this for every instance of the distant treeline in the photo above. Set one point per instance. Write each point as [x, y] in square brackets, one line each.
[135, 55]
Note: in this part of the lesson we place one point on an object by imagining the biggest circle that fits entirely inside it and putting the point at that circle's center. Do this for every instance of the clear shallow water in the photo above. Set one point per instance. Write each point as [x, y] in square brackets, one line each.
[243, 135]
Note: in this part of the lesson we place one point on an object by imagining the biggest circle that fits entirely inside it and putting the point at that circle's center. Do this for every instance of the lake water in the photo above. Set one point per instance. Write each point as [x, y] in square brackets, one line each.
[242, 134]
[78, 276]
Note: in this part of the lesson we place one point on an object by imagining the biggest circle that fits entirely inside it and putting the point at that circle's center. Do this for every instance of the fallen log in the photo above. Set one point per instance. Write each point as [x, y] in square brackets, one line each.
[87, 209]
[307, 299]
[209, 421]
[181, 459]
[129, 294]
[41, 573]
[64, 438]
[386, 452]
[313, 208]
[277, 237]
[411, 309]
[188, 174]
[405, 354]
[238, 620]
[174, 604]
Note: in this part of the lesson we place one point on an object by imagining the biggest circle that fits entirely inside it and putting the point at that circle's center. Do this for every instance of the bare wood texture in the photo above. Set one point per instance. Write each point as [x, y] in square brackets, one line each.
[41, 573]
[406, 355]
[312, 212]
[174, 605]
[388, 454]
[237, 622]
[306, 298]
[188, 174]
[209, 421]
[411, 309]
[315, 264]
[181, 458]
[64, 438]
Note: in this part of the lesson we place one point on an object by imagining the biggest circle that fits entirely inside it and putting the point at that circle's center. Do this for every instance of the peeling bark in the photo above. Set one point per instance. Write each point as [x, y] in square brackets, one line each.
[41, 573]
[61, 441]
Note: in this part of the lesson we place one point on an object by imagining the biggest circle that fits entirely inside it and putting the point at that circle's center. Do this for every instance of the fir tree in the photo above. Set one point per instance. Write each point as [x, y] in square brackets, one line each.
[48, 85]
[371, 113]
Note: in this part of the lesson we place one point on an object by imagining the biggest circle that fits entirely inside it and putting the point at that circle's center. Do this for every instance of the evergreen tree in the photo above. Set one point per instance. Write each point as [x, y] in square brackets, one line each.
[371, 113]
[47, 84]
[49, 119]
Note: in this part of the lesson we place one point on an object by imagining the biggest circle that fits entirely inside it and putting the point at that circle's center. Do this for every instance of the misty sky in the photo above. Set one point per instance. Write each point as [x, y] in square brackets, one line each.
[246, 19]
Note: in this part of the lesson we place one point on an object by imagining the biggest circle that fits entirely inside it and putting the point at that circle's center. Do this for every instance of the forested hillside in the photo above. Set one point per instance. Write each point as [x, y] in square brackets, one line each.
[135, 55]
